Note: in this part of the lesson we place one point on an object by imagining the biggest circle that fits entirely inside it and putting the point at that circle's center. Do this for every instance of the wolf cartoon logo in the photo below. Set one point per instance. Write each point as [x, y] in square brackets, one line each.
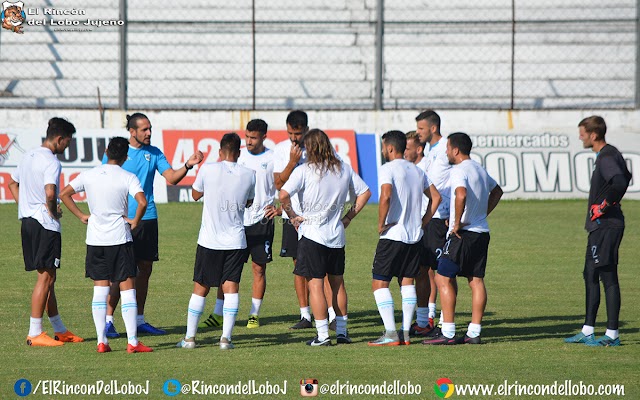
[13, 16]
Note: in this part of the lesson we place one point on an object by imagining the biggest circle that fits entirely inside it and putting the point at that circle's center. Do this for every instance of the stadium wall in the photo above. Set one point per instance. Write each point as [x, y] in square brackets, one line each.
[532, 154]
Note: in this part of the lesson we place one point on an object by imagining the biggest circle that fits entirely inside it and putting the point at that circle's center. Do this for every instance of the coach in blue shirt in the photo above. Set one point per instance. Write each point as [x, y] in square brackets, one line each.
[143, 160]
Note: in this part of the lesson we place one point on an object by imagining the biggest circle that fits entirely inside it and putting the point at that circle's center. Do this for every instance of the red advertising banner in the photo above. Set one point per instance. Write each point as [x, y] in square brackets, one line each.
[180, 144]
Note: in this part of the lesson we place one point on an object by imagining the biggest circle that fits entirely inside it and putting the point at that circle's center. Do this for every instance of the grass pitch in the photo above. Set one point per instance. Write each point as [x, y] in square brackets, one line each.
[534, 284]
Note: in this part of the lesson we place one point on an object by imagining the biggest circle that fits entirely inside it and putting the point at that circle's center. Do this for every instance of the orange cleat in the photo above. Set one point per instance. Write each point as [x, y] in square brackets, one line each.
[43, 340]
[140, 348]
[68, 337]
[103, 348]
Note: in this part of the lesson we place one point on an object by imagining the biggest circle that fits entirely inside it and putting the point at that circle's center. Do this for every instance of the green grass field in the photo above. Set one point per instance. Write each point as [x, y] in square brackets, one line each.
[534, 283]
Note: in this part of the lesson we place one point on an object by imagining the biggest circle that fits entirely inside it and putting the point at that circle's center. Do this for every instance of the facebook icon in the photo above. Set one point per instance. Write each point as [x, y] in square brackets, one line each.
[22, 387]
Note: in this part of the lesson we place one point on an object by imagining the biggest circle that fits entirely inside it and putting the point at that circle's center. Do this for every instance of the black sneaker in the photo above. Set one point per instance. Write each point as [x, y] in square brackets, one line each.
[467, 340]
[302, 324]
[343, 339]
[332, 325]
[437, 331]
[440, 340]
[316, 342]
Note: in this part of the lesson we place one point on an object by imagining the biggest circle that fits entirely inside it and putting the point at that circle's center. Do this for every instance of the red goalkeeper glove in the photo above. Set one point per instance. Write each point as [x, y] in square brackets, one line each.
[597, 210]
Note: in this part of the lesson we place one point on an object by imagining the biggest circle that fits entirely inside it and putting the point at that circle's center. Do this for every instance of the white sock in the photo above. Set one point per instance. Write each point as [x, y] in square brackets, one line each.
[58, 326]
[322, 326]
[613, 334]
[129, 308]
[229, 311]
[409, 300]
[341, 325]
[217, 310]
[332, 314]
[140, 319]
[195, 310]
[432, 310]
[474, 330]
[305, 312]
[255, 306]
[384, 302]
[99, 311]
[422, 316]
[35, 326]
[449, 329]
[587, 330]
[110, 318]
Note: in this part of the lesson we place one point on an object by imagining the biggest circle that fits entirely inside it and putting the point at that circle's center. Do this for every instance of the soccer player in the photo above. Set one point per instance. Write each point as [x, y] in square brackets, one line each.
[437, 168]
[222, 245]
[34, 185]
[605, 224]
[474, 194]
[110, 255]
[258, 221]
[287, 156]
[326, 182]
[144, 160]
[400, 222]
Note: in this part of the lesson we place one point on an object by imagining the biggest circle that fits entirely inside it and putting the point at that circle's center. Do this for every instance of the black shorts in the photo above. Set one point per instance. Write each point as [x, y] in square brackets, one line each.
[110, 263]
[466, 256]
[433, 239]
[289, 240]
[397, 259]
[602, 247]
[317, 260]
[214, 267]
[41, 248]
[145, 240]
[260, 241]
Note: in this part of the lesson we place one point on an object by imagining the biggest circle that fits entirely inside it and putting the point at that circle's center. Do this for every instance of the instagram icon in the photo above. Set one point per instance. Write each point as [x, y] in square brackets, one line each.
[308, 387]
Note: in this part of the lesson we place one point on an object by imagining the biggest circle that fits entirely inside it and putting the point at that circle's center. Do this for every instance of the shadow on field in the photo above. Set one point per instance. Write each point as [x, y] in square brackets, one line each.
[538, 328]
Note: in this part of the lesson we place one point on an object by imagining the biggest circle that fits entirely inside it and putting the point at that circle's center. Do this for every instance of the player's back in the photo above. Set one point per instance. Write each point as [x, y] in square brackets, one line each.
[478, 184]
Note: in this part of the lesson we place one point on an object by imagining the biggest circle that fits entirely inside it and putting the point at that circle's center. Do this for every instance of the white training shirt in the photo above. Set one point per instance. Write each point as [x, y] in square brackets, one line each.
[406, 200]
[472, 176]
[281, 157]
[108, 187]
[438, 169]
[39, 167]
[265, 190]
[227, 187]
[322, 199]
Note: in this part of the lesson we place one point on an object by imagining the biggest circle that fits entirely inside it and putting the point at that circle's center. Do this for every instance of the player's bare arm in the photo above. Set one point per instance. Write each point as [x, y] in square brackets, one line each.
[494, 198]
[142, 208]
[383, 208]
[461, 200]
[280, 178]
[434, 201]
[360, 202]
[174, 176]
[196, 195]
[68, 201]
[14, 188]
[52, 201]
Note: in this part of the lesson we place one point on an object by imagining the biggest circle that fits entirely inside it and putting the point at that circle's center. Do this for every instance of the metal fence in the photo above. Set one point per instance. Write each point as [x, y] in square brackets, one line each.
[327, 54]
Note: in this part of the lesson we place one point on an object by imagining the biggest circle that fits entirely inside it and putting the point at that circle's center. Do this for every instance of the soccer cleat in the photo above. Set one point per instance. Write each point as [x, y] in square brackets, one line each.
[253, 322]
[111, 330]
[150, 329]
[604, 341]
[184, 344]
[468, 340]
[43, 340]
[343, 339]
[103, 348]
[332, 325]
[416, 330]
[440, 340]
[302, 324]
[67, 337]
[139, 348]
[317, 342]
[388, 338]
[225, 344]
[214, 321]
[437, 331]
[580, 338]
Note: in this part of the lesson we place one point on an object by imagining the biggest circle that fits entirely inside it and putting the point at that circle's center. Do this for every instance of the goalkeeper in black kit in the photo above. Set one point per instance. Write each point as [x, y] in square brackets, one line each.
[605, 224]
